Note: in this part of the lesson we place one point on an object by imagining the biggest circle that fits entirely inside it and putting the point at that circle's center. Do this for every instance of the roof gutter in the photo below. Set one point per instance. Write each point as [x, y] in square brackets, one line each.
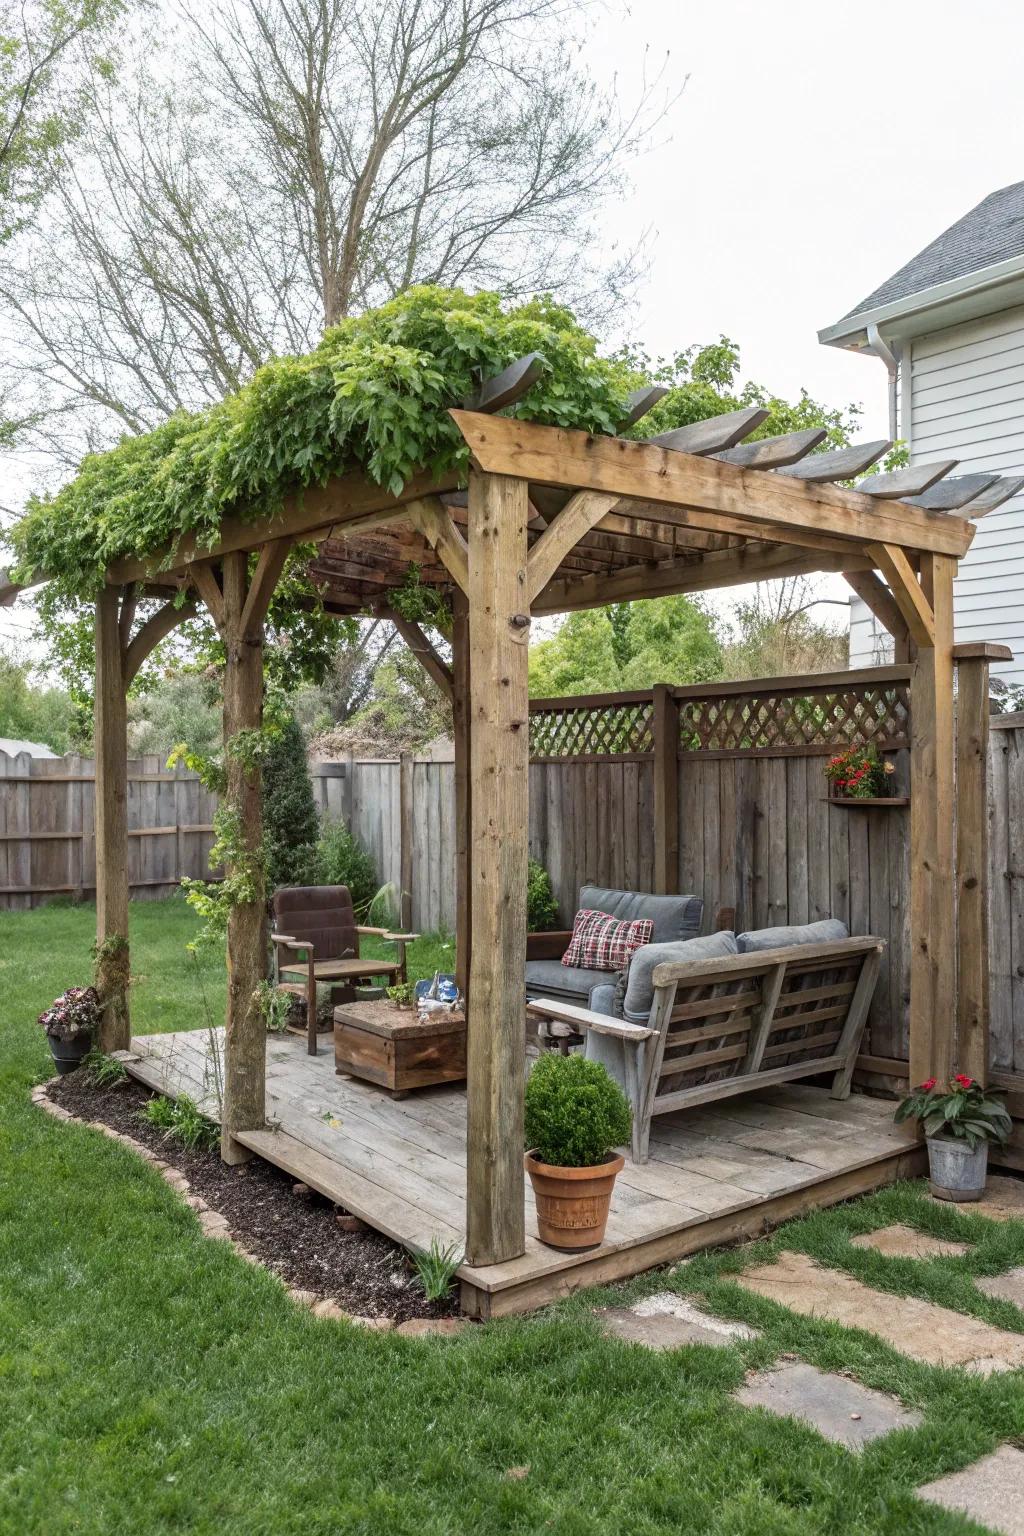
[852, 331]
[891, 359]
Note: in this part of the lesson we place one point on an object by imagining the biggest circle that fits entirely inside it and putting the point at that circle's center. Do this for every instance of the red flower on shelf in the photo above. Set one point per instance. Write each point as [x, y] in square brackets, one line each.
[965, 1082]
[928, 1086]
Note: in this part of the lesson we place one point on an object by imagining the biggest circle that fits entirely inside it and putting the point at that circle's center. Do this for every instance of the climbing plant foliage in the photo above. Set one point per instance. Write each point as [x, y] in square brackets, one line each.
[373, 395]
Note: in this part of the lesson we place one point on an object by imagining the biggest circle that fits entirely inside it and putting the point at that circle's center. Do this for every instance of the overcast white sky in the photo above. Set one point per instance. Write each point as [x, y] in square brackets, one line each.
[814, 150]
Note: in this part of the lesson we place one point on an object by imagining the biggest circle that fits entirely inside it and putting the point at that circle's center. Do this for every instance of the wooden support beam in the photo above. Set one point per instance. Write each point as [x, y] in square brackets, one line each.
[269, 566]
[242, 608]
[461, 739]
[508, 386]
[421, 648]
[646, 472]
[957, 491]
[993, 496]
[434, 521]
[972, 867]
[345, 502]
[111, 731]
[640, 402]
[499, 753]
[155, 629]
[405, 835]
[932, 819]
[876, 595]
[774, 452]
[720, 568]
[579, 515]
[906, 592]
[206, 584]
[911, 480]
[666, 791]
[841, 463]
[714, 432]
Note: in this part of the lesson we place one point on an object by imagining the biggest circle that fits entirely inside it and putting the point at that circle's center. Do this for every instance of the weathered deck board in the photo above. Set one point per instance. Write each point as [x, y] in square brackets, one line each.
[713, 1175]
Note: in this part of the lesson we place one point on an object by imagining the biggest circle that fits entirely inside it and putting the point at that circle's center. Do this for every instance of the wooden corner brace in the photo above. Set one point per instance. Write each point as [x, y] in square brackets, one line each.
[580, 513]
[434, 521]
[907, 592]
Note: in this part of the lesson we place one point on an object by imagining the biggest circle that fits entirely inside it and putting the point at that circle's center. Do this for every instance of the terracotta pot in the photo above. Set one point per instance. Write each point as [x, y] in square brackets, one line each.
[572, 1203]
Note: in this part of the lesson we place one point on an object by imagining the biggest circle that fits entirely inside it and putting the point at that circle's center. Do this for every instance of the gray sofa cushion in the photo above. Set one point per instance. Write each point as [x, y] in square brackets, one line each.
[635, 993]
[674, 917]
[565, 983]
[826, 932]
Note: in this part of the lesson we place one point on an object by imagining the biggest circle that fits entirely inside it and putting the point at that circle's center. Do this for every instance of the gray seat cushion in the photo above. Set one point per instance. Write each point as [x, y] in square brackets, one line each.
[826, 932]
[635, 994]
[565, 983]
[674, 917]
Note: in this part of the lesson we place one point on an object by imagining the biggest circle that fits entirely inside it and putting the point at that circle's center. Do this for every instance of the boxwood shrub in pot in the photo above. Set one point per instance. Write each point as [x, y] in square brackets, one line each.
[576, 1115]
[71, 1022]
[959, 1121]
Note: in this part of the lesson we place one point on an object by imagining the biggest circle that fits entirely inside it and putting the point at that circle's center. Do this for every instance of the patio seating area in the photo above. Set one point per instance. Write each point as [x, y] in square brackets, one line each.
[714, 1174]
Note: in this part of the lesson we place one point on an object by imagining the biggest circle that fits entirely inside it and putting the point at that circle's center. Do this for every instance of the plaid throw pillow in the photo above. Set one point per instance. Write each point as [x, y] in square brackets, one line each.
[603, 943]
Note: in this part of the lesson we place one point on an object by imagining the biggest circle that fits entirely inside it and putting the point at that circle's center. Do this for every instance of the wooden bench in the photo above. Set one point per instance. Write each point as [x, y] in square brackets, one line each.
[735, 1024]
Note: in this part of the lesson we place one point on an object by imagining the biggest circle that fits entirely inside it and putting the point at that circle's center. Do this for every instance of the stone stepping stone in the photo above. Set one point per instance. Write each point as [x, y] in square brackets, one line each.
[667, 1321]
[1003, 1200]
[900, 1242]
[988, 1492]
[838, 1408]
[1008, 1287]
[921, 1329]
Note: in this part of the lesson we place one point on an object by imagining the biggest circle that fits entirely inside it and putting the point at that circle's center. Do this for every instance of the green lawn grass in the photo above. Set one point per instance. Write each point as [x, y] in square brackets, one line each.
[151, 1382]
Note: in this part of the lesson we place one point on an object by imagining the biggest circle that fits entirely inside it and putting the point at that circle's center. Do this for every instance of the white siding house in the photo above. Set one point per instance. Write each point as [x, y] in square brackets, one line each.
[953, 321]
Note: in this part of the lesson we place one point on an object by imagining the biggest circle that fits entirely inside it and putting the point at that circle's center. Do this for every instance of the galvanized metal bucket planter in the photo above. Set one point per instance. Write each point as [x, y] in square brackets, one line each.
[956, 1173]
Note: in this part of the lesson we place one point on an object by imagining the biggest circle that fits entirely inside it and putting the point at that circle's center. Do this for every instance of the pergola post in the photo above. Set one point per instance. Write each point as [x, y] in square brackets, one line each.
[460, 739]
[111, 755]
[666, 791]
[932, 820]
[499, 631]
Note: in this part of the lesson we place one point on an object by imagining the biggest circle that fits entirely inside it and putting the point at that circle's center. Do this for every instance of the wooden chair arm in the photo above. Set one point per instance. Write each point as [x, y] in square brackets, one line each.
[726, 967]
[286, 941]
[400, 938]
[378, 933]
[547, 946]
[586, 1018]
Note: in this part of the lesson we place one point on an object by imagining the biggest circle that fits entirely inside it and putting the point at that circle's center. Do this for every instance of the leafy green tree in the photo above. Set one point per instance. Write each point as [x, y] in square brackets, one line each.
[29, 713]
[629, 645]
[291, 826]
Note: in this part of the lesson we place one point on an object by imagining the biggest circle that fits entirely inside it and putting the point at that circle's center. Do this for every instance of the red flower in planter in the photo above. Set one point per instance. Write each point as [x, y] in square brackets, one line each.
[928, 1086]
[965, 1082]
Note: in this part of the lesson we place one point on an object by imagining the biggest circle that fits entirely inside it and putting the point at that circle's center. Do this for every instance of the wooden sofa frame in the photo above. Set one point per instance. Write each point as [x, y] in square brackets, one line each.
[738, 1023]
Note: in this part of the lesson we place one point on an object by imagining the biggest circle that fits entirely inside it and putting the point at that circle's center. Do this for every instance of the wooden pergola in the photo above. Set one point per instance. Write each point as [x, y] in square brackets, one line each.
[555, 520]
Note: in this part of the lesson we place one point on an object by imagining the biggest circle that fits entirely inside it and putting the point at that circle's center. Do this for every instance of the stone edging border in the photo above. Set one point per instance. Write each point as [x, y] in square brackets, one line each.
[216, 1226]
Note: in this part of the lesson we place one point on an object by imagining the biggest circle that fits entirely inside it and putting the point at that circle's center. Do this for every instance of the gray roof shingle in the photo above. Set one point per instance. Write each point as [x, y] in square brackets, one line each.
[990, 233]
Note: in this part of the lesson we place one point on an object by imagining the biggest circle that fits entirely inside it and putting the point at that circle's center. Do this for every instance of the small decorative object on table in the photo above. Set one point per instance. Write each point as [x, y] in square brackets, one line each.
[71, 1022]
[861, 774]
[959, 1122]
[403, 994]
[576, 1115]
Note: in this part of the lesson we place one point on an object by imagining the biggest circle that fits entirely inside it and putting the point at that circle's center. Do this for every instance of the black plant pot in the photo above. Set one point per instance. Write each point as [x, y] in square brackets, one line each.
[69, 1054]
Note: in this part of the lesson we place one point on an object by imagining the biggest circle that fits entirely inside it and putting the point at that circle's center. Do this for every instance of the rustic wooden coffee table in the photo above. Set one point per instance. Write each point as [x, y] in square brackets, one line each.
[396, 1048]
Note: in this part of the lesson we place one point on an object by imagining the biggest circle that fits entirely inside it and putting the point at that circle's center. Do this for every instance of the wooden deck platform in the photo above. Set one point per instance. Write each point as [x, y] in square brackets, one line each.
[714, 1175]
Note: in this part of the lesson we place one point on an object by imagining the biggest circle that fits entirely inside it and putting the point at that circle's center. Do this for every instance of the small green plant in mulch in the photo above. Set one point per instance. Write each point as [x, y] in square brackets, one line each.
[575, 1112]
[436, 1268]
[402, 994]
[105, 1071]
[181, 1119]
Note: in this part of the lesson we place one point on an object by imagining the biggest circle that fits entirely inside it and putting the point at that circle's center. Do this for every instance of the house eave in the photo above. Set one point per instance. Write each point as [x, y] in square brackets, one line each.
[930, 309]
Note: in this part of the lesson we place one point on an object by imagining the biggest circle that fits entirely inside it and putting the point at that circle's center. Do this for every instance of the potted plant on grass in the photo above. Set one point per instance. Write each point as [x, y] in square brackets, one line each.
[70, 1023]
[959, 1121]
[575, 1116]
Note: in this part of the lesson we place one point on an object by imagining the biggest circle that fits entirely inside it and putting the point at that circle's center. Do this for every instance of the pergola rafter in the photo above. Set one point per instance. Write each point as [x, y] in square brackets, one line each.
[556, 520]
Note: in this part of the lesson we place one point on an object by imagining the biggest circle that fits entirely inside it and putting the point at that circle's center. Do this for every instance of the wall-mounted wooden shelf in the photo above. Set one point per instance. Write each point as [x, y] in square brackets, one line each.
[870, 803]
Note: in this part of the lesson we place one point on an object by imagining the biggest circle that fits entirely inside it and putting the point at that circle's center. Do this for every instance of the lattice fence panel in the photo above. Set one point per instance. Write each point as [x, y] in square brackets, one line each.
[851, 716]
[582, 731]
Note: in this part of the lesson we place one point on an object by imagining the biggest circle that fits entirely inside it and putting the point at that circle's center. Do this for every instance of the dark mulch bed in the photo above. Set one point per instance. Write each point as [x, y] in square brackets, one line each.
[296, 1236]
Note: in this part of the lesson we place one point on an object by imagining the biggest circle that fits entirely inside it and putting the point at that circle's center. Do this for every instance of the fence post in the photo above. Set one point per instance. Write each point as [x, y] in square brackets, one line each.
[405, 813]
[665, 725]
[972, 854]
